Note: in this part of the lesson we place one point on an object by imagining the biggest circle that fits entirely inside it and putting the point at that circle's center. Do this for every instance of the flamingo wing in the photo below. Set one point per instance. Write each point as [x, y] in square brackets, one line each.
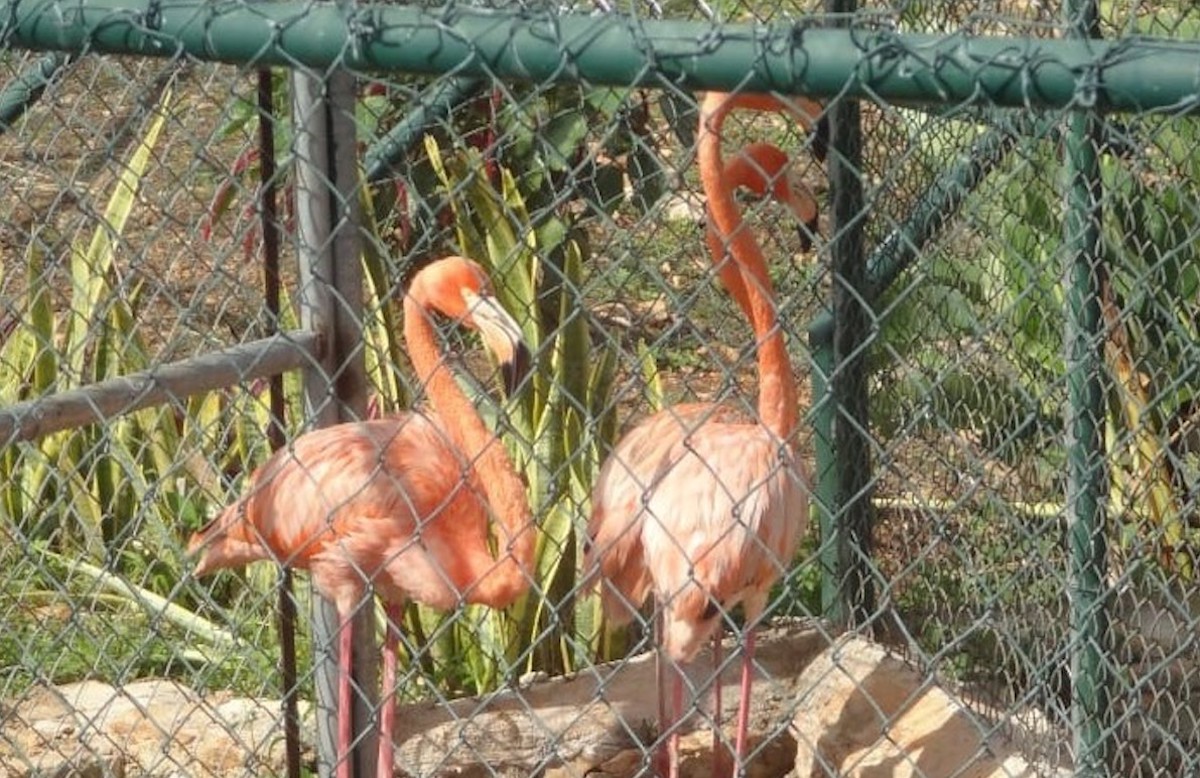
[720, 527]
[614, 558]
[390, 498]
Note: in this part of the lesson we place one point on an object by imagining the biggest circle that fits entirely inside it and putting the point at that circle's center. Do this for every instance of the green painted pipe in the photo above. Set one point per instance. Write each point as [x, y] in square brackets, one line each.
[424, 114]
[825, 480]
[1083, 256]
[19, 95]
[541, 46]
[936, 207]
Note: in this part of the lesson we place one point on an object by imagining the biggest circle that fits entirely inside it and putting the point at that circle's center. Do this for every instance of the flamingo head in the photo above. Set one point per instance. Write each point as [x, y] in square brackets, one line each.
[458, 288]
[764, 169]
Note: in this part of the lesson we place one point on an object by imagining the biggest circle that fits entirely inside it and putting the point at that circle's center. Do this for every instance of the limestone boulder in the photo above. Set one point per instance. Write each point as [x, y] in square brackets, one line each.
[863, 713]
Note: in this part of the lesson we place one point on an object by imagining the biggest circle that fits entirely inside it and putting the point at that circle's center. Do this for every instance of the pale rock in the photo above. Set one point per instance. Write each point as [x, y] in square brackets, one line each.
[864, 713]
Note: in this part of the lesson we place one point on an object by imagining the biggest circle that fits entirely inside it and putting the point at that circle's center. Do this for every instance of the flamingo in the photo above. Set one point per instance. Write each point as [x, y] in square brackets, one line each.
[399, 503]
[697, 504]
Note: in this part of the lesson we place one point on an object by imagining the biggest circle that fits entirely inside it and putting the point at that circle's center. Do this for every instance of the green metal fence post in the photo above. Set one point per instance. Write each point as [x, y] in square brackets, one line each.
[1086, 481]
[849, 408]
[895, 253]
[825, 486]
[547, 46]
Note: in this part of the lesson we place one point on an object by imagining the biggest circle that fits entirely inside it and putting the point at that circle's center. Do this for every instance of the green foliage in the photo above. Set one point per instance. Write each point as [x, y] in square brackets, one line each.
[71, 621]
[996, 302]
[1151, 223]
[102, 485]
[588, 151]
[965, 596]
[117, 495]
[979, 332]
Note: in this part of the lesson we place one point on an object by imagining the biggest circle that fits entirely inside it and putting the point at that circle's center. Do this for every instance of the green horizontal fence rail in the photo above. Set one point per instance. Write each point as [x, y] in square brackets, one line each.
[795, 58]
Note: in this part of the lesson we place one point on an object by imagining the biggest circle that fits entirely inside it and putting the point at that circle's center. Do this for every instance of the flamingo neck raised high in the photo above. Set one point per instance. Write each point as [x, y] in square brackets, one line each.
[698, 504]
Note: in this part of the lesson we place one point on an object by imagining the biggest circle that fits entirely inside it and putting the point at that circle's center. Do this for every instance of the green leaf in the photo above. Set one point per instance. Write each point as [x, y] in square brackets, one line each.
[651, 377]
[84, 510]
[28, 358]
[239, 112]
[607, 100]
[602, 410]
[555, 548]
[90, 268]
[250, 416]
[383, 332]
[571, 370]
[561, 136]
[549, 235]
[41, 323]
[451, 177]
[12, 495]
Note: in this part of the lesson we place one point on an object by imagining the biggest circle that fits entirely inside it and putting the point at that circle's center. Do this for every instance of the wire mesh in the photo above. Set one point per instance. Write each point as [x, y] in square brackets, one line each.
[131, 241]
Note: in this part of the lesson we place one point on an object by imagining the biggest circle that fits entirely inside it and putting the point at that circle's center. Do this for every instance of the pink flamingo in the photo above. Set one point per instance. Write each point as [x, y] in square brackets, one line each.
[698, 504]
[400, 504]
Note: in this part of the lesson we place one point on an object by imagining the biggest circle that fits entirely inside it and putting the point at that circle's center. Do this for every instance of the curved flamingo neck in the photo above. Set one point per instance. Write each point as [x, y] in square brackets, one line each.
[777, 394]
[503, 488]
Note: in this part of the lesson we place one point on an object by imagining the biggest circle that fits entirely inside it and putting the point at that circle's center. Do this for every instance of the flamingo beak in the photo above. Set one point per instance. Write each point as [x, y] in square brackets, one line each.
[805, 231]
[803, 205]
[820, 137]
[502, 336]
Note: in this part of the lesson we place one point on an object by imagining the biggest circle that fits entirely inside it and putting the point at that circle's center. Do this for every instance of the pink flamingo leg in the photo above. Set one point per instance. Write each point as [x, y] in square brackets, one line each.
[676, 718]
[719, 762]
[345, 704]
[387, 702]
[743, 720]
[661, 758]
[664, 724]
[670, 712]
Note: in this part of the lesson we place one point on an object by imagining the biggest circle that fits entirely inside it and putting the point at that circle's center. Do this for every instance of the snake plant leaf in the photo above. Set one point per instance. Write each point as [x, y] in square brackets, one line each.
[28, 357]
[561, 136]
[90, 267]
[382, 332]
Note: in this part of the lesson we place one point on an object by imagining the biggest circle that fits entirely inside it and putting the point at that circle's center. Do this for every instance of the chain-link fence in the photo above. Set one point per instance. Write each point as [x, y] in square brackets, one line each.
[979, 304]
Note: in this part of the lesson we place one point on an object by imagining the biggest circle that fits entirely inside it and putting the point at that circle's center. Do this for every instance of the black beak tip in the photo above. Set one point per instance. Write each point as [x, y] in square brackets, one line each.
[820, 138]
[516, 369]
[805, 232]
